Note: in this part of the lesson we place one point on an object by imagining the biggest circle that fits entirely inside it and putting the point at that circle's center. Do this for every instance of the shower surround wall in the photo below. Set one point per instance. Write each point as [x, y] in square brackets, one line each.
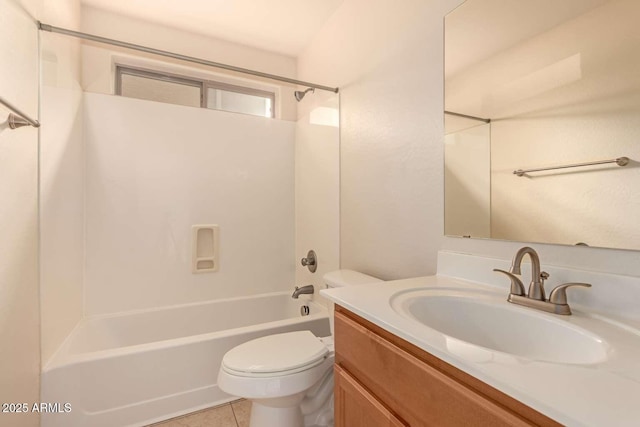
[61, 190]
[317, 165]
[65, 293]
[152, 171]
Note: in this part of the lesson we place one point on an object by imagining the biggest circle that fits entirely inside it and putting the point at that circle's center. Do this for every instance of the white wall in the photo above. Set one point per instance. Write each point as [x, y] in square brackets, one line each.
[317, 166]
[154, 170]
[61, 181]
[389, 68]
[98, 58]
[19, 316]
[387, 61]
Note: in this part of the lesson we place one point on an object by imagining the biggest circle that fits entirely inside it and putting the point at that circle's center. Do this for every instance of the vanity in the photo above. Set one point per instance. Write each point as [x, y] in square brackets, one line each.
[383, 380]
[451, 350]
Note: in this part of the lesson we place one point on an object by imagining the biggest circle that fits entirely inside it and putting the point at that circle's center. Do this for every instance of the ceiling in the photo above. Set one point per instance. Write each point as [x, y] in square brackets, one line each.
[282, 26]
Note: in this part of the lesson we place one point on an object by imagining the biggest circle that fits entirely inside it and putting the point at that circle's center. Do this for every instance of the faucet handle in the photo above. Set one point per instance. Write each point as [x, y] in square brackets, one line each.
[311, 261]
[559, 294]
[517, 288]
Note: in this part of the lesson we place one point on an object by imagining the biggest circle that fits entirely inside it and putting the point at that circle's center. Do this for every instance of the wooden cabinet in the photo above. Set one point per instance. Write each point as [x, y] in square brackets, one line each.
[382, 380]
[356, 407]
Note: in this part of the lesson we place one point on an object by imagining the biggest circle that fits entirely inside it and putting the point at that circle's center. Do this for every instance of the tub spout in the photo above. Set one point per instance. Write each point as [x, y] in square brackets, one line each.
[303, 290]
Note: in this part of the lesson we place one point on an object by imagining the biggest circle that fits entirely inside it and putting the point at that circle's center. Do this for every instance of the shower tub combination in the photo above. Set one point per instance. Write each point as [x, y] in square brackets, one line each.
[140, 367]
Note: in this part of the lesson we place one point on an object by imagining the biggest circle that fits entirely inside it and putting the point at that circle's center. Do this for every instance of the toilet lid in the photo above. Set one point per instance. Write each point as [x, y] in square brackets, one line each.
[276, 353]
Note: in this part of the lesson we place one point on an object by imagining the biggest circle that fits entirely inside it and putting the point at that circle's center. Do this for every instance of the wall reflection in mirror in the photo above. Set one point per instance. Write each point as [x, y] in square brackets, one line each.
[545, 84]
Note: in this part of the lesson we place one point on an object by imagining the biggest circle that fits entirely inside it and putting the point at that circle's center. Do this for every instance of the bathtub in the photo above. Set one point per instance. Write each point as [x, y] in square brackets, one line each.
[136, 368]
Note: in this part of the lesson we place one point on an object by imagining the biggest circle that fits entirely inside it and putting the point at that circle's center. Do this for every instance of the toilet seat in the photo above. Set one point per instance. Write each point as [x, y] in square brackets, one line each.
[276, 355]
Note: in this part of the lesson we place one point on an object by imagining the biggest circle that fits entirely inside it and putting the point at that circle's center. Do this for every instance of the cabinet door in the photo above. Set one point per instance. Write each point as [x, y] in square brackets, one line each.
[356, 407]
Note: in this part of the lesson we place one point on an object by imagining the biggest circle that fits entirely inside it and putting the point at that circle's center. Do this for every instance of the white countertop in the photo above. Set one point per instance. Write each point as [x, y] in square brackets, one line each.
[601, 394]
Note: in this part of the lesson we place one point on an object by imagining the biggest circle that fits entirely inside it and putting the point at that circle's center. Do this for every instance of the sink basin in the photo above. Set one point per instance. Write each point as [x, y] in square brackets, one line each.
[487, 320]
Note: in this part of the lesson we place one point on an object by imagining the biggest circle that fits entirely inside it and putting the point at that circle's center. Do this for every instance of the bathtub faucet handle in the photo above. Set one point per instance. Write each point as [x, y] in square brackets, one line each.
[308, 289]
[311, 261]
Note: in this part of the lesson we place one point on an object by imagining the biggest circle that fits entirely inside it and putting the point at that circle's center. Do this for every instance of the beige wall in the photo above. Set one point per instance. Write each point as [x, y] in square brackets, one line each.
[19, 317]
[467, 182]
[19, 268]
[599, 206]
[602, 71]
[388, 62]
[568, 95]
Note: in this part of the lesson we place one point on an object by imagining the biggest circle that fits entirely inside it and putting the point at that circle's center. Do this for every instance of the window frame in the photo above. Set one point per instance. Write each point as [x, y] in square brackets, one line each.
[203, 84]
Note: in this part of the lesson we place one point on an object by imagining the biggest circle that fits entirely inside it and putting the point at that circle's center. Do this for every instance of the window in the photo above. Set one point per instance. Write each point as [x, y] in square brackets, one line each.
[158, 87]
[181, 90]
[221, 98]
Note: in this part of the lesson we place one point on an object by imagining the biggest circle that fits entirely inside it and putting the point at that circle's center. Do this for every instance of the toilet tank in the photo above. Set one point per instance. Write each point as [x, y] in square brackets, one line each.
[340, 278]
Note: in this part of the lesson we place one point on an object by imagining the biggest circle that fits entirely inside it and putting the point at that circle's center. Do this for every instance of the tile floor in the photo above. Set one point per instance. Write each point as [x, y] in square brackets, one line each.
[234, 414]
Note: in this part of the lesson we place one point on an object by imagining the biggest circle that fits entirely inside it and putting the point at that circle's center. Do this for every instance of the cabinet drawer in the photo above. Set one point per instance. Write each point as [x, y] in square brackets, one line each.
[419, 393]
[356, 407]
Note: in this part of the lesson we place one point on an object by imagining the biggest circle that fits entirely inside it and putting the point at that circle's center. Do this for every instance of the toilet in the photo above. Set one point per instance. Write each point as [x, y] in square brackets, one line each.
[288, 377]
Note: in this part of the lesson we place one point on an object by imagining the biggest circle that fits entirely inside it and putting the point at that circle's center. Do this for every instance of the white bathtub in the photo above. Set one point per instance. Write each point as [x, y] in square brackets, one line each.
[140, 367]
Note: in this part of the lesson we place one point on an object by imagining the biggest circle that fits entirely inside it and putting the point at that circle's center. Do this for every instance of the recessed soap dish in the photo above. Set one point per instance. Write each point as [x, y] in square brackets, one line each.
[205, 248]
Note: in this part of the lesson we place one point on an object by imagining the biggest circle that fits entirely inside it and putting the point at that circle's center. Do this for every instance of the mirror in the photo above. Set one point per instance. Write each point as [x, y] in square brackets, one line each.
[543, 84]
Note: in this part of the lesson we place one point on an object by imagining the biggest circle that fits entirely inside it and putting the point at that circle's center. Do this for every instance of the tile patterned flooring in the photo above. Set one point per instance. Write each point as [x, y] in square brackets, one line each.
[234, 414]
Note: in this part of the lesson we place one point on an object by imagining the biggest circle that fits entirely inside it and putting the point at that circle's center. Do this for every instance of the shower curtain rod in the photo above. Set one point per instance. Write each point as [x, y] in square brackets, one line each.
[91, 37]
[17, 118]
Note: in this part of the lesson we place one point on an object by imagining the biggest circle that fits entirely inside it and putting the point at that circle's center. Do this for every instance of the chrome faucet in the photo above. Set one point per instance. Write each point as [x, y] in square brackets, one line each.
[535, 298]
[536, 287]
[308, 289]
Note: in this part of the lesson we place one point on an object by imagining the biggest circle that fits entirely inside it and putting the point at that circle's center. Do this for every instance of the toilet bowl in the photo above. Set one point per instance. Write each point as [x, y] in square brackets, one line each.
[288, 377]
[276, 373]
